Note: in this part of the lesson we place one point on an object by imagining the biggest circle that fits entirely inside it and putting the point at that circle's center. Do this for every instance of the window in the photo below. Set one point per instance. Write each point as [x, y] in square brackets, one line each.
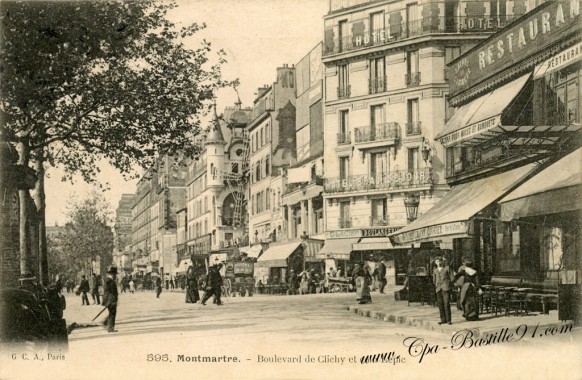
[413, 124]
[344, 167]
[378, 164]
[268, 132]
[412, 68]
[345, 219]
[567, 95]
[268, 200]
[344, 131]
[413, 160]
[262, 137]
[377, 76]
[343, 81]
[412, 22]
[376, 119]
[377, 33]
[258, 171]
[343, 35]
[267, 166]
[379, 212]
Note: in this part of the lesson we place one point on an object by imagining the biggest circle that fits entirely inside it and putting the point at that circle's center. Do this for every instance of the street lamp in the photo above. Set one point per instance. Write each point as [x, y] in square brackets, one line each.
[411, 204]
[304, 238]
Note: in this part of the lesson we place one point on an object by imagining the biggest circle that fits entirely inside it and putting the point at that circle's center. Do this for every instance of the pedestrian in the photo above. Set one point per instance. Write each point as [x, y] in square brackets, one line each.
[293, 283]
[468, 281]
[375, 279]
[96, 282]
[442, 279]
[84, 289]
[131, 285]
[172, 283]
[158, 286]
[110, 299]
[362, 279]
[382, 276]
[192, 295]
[167, 284]
[213, 285]
[304, 283]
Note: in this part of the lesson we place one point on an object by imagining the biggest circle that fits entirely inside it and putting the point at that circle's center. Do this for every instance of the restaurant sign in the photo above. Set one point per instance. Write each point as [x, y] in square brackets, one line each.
[535, 33]
[562, 59]
[426, 233]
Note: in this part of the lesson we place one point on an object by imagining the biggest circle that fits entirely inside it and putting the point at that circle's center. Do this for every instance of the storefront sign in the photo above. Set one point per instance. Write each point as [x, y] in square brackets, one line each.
[562, 59]
[546, 25]
[470, 130]
[371, 246]
[455, 228]
[365, 232]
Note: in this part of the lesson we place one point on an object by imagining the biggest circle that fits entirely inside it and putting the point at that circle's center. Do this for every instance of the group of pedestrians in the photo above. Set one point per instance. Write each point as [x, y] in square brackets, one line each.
[212, 285]
[93, 288]
[466, 280]
[363, 277]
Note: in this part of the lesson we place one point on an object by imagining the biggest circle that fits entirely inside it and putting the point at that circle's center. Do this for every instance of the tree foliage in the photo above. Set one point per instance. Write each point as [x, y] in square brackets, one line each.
[87, 235]
[91, 80]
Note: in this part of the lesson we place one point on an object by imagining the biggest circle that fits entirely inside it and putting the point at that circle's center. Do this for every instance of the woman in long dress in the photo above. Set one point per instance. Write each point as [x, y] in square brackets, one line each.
[469, 294]
[362, 280]
[192, 294]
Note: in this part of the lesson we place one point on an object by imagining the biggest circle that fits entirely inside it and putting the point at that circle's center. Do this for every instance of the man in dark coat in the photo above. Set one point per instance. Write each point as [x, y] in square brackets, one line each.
[442, 279]
[293, 283]
[213, 285]
[382, 276]
[158, 286]
[84, 289]
[110, 298]
[95, 290]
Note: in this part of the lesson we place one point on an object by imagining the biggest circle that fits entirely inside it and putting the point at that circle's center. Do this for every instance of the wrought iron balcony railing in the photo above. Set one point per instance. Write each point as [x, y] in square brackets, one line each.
[344, 138]
[344, 92]
[412, 79]
[377, 85]
[397, 179]
[379, 132]
[427, 25]
[413, 129]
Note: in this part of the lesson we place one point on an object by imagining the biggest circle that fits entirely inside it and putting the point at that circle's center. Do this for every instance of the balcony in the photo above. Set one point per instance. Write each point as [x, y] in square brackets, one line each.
[377, 221]
[377, 85]
[343, 92]
[428, 25]
[394, 180]
[413, 129]
[344, 138]
[377, 133]
[412, 79]
[344, 222]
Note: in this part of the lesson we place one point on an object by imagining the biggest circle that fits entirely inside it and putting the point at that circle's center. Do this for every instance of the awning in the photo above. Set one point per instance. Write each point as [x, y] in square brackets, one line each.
[450, 216]
[338, 248]
[312, 248]
[371, 244]
[481, 115]
[276, 256]
[555, 189]
[252, 251]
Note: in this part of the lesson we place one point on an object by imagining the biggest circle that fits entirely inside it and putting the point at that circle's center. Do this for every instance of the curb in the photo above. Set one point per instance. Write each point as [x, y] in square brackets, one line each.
[434, 326]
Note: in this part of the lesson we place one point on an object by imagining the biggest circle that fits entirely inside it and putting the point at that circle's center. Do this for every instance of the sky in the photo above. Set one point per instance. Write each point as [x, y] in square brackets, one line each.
[257, 35]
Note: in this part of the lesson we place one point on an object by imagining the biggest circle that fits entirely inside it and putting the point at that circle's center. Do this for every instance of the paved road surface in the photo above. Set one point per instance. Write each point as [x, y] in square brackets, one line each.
[272, 337]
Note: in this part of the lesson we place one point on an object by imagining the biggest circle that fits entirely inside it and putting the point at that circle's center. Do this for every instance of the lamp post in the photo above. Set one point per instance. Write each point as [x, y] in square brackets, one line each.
[411, 204]
[304, 238]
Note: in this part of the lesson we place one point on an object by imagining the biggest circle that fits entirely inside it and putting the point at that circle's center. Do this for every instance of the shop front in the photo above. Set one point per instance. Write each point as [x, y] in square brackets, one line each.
[272, 267]
[337, 255]
[370, 251]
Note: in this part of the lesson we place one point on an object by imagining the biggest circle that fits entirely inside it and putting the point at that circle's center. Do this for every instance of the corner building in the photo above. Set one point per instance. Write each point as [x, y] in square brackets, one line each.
[386, 93]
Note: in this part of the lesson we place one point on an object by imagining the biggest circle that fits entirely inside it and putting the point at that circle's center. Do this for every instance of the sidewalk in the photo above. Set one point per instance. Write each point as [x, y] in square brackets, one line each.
[385, 308]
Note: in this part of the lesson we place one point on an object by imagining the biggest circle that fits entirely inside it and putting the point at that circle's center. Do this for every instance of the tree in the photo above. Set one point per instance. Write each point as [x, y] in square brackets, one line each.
[87, 235]
[89, 81]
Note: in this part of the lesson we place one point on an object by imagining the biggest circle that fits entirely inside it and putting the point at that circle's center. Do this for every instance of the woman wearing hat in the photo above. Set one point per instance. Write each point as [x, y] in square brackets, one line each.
[362, 279]
[467, 278]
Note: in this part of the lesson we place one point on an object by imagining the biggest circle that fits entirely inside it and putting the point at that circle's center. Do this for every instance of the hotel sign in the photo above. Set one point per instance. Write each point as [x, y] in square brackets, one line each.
[425, 233]
[535, 33]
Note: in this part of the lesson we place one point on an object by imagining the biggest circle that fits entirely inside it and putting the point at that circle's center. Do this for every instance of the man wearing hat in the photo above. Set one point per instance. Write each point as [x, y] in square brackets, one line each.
[442, 279]
[110, 298]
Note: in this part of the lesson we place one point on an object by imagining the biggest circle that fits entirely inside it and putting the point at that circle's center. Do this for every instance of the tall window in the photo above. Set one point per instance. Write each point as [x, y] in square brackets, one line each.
[567, 95]
[413, 124]
[345, 218]
[344, 167]
[413, 160]
[379, 212]
[412, 68]
[378, 164]
[343, 35]
[377, 75]
[343, 81]
[377, 27]
[267, 166]
[412, 22]
[376, 119]
[344, 127]
[262, 137]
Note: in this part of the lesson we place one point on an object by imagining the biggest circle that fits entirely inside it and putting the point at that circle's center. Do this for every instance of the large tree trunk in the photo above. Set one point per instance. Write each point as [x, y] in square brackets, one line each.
[23, 195]
[40, 201]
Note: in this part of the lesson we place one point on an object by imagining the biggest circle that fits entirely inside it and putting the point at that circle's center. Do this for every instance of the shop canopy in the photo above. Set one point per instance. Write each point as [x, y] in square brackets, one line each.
[372, 244]
[312, 248]
[450, 216]
[252, 251]
[474, 120]
[339, 249]
[276, 256]
[555, 189]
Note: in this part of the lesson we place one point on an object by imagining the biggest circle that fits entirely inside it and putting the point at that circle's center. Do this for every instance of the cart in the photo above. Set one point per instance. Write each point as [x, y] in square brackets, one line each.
[340, 284]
